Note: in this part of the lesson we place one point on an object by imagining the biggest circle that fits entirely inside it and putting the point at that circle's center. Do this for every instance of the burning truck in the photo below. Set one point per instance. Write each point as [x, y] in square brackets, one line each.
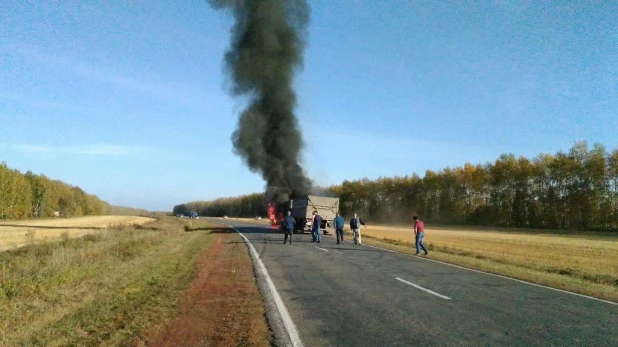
[302, 211]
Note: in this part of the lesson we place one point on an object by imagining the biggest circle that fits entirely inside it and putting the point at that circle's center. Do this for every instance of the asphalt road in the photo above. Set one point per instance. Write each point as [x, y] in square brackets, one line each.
[356, 295]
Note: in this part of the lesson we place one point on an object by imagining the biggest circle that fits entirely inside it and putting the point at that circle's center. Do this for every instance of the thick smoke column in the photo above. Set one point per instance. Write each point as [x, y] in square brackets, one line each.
[267, 46]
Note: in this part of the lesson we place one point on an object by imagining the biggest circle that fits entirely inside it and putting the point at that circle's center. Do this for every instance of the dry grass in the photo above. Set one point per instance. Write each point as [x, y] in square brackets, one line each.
[584, 262]
[109, 287]
[88, 221]
[19, 233]
[222, 307]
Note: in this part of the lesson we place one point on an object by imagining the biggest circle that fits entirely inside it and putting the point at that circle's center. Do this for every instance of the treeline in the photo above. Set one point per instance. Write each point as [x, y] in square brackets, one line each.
[129, 211]
[577, 189]
[29, 195]
[250, 205]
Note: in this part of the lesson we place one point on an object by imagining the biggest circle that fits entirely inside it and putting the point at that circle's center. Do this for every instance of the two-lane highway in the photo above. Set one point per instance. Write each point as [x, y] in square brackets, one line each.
[357, 295]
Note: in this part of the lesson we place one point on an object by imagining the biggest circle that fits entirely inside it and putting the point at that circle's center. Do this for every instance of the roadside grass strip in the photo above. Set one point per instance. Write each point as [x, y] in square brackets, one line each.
[113, 285]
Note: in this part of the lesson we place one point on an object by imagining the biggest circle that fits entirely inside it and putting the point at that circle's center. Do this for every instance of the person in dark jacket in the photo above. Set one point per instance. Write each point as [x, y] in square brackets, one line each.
[355, 224]
[338, 223]
[288, 224]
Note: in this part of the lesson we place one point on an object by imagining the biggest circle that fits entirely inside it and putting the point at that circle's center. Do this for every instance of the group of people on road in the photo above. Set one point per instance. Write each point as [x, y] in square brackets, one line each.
[338, 223]
[355, 223]
[289, 223]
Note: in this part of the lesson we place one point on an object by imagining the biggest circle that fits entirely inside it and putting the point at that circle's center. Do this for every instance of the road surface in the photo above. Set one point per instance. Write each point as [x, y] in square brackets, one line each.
[357, 295]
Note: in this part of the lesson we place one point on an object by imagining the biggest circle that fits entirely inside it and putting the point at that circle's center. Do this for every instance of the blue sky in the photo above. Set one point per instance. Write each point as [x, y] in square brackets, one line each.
[128, 99]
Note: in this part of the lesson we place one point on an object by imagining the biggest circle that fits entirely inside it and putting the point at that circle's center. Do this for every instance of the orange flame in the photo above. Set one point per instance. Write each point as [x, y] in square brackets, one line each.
[272, 214]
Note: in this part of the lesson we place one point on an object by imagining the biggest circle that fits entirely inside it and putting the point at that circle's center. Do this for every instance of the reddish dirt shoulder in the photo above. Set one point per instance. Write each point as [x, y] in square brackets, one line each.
[222, 306]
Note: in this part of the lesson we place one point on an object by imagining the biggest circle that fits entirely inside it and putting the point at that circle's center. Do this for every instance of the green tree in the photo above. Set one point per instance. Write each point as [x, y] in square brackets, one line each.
[578, 189]
[38, 192]
[611, 199]
[15, 200]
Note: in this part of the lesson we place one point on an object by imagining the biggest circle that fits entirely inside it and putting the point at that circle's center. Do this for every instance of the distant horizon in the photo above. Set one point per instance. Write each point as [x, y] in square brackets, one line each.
[589, 145]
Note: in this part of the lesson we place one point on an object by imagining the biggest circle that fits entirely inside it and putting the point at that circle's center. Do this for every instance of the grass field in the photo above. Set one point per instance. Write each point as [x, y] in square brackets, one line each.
[18, 233]
[126, 284]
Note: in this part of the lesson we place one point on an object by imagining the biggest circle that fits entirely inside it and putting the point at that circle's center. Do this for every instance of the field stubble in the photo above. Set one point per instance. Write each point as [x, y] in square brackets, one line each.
[19, 233]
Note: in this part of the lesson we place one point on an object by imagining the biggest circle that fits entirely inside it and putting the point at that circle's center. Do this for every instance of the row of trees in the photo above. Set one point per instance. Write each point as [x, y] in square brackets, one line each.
[577, 189]
[242, 206]
[129, 211]
[29, 195]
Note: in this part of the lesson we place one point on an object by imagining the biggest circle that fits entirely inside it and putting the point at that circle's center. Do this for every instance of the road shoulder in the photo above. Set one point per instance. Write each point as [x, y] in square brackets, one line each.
[222, 306]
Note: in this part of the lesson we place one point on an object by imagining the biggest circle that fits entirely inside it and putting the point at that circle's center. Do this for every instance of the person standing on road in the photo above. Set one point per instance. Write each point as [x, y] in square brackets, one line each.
[315, 227]
[419, 231]
[288, 223]
[355, 224]
[338, 223]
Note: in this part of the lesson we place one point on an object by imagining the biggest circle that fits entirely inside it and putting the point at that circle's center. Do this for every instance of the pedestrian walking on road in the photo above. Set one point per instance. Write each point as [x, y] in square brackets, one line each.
[338, 223]
[288, 224]
[315, 227]
[419, 231]
[355, 224]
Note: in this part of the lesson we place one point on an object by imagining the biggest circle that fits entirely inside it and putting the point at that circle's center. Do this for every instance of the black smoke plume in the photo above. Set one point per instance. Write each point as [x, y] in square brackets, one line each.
[266, 49]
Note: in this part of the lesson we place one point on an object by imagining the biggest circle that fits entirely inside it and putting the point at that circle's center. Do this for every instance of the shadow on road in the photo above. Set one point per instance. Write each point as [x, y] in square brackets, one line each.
[212, 230]
[257, 230]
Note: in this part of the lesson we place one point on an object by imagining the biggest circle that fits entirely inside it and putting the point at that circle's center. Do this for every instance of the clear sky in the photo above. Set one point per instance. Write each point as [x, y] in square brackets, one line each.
[128, 99]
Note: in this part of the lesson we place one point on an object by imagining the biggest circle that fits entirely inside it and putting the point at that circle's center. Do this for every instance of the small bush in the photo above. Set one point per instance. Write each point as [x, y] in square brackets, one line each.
[142, 227]
[65, 239]
[129, 249]
[42, 250]
[117, 226]
[9, 289]
[93, 237]
[30, 236]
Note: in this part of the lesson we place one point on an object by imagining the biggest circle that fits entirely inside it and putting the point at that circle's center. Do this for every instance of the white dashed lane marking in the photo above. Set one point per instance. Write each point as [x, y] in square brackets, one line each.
[423, 289]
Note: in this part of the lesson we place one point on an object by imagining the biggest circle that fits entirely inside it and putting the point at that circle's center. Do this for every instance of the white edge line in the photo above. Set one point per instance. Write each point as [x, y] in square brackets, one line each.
[424, 289]
[325, 250]
[285, 316]
[500, 276]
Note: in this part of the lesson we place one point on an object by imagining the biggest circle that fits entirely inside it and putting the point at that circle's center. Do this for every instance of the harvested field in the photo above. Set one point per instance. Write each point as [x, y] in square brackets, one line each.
[18, 233]
[584, 262]
[82, 222]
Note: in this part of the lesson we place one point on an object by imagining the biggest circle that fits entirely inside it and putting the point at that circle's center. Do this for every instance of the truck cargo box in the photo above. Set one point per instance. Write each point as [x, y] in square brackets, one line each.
[302, 210]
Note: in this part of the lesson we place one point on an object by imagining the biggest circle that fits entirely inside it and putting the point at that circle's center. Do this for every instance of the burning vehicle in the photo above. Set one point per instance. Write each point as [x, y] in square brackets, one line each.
[302, 211]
